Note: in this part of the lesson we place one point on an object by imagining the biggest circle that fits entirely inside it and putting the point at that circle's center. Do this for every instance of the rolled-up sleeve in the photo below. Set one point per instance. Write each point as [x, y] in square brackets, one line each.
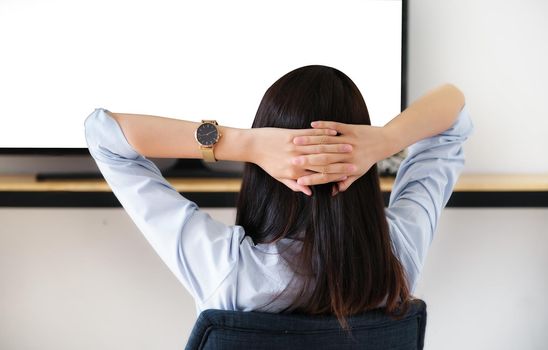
[422, 188]
[199, 250]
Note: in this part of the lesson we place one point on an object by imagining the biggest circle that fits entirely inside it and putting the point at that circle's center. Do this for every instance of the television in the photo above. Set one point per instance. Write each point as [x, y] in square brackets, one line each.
[191, 60]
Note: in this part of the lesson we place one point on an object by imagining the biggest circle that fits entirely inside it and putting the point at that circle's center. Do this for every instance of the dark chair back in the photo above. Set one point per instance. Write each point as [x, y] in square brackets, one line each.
[373, 330]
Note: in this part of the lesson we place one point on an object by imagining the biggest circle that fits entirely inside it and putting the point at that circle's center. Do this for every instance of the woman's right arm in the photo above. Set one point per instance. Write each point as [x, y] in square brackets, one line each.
[424, 183]
[431, 114]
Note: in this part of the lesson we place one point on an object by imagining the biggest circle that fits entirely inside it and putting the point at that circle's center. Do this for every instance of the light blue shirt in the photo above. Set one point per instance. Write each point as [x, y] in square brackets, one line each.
[218, 264]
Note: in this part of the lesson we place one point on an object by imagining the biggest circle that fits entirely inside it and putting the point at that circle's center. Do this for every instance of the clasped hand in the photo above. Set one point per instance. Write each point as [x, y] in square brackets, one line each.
[328, 152]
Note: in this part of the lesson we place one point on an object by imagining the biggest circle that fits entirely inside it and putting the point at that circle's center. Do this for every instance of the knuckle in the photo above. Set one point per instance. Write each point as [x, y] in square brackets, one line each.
[292, 173]
[300, 140]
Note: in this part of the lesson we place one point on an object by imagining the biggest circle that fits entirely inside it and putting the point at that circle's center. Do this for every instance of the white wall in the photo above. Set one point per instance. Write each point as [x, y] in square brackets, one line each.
[496, 52]
[485, 280]
[87, 279]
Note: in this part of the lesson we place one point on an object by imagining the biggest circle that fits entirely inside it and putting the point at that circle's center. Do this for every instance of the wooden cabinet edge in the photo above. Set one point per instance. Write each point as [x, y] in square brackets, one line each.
[466, 183]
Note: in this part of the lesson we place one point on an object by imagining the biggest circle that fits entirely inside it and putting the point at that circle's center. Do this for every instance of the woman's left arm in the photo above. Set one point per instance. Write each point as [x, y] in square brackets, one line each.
[162, 137]
[270, 148]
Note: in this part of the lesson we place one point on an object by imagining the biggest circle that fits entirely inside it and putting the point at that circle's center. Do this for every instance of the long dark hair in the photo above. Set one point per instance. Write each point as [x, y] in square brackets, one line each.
[346, 260]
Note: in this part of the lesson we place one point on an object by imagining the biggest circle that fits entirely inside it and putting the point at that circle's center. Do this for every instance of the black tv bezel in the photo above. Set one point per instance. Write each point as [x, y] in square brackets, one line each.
[84, 151]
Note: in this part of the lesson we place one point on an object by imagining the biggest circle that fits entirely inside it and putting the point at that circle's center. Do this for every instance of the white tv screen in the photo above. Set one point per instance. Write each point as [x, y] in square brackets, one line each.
[190, 60]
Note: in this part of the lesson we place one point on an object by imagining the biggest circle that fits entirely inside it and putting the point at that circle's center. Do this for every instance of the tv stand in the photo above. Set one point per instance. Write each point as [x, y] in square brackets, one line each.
[183, 168]
[471, 190]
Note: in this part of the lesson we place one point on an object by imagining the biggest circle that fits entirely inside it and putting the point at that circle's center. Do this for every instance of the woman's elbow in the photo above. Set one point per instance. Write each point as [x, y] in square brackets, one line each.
[456, 94]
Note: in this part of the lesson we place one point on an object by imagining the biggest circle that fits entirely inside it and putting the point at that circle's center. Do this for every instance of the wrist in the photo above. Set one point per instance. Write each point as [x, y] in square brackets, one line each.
[234, 144]
[393, 140]
[248, 141]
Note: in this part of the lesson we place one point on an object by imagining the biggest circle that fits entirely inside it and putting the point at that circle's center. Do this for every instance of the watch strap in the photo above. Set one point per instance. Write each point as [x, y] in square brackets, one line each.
[207, 154]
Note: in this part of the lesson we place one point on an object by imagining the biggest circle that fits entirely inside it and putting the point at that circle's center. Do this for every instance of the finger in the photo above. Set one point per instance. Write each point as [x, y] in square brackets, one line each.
[319, 178]
[322, 124]
[335, 189]
[345, 184]
[293, 185]
[338, 168]
[317, 139]
[334, 148]
[295, 172]
[320, 159]
[315, 132]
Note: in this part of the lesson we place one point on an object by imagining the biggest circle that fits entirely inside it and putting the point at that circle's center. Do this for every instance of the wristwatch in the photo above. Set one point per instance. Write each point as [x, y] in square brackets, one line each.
[207, 134]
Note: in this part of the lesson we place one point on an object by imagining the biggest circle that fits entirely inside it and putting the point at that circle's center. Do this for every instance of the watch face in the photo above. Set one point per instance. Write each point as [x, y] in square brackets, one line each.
[207, 134]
